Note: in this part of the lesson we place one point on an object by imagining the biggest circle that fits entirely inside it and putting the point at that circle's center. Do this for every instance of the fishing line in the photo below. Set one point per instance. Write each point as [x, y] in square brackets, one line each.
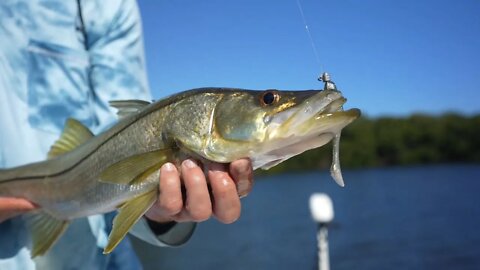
[324, 77]
[312, 42]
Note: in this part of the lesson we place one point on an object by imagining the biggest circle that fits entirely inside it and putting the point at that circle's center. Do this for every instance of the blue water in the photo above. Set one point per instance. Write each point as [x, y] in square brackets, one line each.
[394, 218]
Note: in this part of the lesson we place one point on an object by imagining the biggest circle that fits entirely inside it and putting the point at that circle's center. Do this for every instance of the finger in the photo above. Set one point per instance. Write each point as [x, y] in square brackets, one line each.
[11, 207]
[226, 203]
[169, 202]
[198, 204]
[242, 173]
[15, 204]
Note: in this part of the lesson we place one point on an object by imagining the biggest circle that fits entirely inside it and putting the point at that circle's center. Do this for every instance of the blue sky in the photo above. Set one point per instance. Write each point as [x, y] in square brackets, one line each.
[388, 57]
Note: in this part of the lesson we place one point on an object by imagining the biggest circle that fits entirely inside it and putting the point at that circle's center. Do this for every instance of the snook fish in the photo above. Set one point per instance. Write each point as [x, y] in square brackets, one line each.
[119, 168]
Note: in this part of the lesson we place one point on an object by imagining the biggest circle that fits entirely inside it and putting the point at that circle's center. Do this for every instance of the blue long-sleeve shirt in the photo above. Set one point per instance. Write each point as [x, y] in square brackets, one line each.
[61, 59]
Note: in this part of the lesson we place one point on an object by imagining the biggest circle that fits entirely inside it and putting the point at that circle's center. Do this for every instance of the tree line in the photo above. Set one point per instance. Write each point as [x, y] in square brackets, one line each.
[388, 141]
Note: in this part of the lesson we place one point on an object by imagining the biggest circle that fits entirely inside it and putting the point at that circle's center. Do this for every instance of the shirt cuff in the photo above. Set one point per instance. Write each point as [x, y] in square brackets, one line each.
[177, 235]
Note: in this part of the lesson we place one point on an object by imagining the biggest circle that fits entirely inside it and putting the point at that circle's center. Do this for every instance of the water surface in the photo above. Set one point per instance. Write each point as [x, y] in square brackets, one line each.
[394, 218]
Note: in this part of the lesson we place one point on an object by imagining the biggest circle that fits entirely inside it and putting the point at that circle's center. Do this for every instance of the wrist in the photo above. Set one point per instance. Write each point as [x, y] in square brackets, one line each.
[160, 227]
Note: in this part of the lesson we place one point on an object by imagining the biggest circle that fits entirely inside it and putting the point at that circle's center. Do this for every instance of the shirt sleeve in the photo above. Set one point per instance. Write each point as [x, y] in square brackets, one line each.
[118, 71]
[179, 234]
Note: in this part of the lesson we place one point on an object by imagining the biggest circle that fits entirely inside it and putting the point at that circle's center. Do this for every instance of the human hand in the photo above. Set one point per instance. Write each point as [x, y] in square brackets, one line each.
[11, 207]
[195, 203]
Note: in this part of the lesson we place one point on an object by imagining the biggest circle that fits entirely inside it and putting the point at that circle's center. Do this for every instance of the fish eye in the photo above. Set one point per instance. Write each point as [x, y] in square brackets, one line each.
[269, 97]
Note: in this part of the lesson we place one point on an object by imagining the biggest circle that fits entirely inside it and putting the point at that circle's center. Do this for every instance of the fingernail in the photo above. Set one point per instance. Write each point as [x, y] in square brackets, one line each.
[168, 167]
[243, 187]
[189, 163]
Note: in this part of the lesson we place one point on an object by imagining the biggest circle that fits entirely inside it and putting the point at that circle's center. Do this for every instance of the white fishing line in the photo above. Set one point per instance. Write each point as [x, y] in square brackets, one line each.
[307, 29]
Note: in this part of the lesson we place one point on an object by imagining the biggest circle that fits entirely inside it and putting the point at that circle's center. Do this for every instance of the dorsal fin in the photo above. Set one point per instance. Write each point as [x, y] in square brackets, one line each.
[128, 107]
[73, 135]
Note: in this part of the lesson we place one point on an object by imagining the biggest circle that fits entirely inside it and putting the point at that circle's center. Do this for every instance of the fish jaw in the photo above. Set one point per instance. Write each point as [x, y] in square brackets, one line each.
[320, 113]
[279, 150]
[271, 159]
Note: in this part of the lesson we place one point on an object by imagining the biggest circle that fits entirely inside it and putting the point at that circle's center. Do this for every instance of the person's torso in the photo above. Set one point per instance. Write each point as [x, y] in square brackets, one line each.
[44, 69]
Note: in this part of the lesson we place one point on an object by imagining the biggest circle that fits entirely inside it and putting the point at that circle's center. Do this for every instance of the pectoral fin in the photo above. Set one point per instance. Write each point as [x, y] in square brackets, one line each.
[45, 231]
[128, 215]
[135, 168]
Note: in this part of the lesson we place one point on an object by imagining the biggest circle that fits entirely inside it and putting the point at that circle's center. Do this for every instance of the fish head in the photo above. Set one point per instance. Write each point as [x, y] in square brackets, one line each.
[271, 126]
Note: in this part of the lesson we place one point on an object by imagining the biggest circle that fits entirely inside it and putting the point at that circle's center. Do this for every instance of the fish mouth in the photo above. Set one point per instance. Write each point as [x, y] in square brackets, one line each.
[350, 114]
[322, 112]
[335, 109]
[335, 105]
[310, 124]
